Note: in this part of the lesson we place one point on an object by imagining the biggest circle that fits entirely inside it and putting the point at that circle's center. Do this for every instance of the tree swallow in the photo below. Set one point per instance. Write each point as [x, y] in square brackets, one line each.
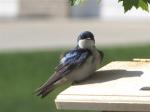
[75, 65]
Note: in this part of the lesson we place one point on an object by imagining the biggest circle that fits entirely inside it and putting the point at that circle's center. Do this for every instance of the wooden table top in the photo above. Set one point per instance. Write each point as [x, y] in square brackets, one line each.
[118, 86]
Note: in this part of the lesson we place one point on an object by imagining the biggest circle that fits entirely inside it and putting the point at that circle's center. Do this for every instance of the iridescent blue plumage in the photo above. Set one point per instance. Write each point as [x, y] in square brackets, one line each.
[76, 56]
[72, 59]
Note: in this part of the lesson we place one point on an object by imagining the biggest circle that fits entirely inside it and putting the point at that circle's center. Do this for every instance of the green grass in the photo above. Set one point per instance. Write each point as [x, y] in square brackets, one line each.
[22, 73]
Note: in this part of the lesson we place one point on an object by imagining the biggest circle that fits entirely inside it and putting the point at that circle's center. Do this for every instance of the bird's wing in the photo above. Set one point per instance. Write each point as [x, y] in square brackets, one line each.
[101, 54]
[70, 60]
[73, 58]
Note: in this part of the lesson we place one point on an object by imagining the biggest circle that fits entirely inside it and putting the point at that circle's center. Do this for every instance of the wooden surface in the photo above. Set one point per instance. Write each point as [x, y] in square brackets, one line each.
[115, 87]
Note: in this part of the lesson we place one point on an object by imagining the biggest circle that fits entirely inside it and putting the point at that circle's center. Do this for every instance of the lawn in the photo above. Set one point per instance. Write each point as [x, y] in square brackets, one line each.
[21, 73]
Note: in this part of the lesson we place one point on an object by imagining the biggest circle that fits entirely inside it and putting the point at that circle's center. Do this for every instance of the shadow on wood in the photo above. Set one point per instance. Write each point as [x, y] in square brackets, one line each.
[109, 75]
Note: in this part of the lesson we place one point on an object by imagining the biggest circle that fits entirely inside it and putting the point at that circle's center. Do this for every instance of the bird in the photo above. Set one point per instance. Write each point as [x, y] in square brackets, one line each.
[75, 65]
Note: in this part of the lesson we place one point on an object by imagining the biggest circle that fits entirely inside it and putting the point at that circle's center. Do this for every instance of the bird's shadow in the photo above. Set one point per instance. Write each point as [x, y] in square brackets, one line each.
[109, 75]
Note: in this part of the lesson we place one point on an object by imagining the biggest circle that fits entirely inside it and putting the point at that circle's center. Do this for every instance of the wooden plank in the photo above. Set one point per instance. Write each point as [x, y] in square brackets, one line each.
[107, 103]
[115, 87]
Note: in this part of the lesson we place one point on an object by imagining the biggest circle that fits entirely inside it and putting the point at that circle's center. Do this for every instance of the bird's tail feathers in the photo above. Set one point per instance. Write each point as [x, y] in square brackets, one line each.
[45, 90]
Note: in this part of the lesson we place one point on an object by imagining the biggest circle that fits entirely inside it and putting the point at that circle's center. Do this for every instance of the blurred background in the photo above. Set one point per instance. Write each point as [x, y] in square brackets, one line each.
[33, 33]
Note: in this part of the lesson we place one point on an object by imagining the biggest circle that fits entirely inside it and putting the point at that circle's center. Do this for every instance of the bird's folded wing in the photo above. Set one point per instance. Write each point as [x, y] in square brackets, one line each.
[69, 62]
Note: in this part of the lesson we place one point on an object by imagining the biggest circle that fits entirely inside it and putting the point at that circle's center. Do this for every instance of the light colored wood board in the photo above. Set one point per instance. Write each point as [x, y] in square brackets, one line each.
[116, 84]
[104, 98]
[110, 81]
[141, 60]
[122, 107]
[103, 103]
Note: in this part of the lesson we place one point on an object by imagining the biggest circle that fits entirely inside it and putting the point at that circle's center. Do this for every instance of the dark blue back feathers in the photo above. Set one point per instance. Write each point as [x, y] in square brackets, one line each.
[72, 59]
[76, 56]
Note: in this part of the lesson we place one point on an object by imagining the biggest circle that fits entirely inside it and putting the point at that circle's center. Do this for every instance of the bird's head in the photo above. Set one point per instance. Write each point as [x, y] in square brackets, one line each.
[86, 40]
